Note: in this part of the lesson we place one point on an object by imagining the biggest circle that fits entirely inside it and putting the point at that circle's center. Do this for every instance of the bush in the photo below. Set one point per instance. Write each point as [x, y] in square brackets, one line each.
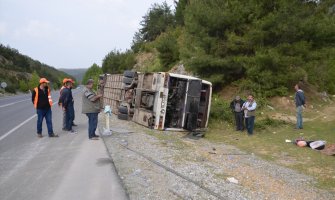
[268, 122]
[10, 88]
[220, 110]
[23, 85]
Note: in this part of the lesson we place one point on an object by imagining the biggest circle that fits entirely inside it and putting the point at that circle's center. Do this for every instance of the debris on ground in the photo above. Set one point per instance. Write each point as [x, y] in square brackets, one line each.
[232, 180]
[167, 165]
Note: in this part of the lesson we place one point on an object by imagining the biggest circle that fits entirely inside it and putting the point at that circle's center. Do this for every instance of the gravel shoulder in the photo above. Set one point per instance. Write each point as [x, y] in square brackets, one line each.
[175, 165]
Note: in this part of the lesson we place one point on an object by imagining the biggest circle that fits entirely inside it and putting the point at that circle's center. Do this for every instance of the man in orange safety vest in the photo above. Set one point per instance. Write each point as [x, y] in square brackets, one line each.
[41, 98]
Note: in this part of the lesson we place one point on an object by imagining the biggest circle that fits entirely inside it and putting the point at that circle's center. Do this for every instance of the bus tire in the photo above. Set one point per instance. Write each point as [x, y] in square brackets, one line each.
[127, 80]
[123, 109]
[130, 74]
[122, 116]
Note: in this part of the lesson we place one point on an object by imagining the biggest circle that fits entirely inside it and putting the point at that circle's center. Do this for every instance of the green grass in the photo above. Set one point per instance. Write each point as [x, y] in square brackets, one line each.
[269, 143]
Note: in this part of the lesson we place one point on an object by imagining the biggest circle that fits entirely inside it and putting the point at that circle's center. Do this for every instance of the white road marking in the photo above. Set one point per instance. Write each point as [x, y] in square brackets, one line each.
[9, 104]
[18, 126]
[12, 97]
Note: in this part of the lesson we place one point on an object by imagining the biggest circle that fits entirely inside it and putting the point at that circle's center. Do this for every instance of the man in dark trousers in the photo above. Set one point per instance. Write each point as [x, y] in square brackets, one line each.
[236, 107]
[91, 107]
[41, 98]
[60, 103]
[67, 105]
[74, 114]
[299, 99]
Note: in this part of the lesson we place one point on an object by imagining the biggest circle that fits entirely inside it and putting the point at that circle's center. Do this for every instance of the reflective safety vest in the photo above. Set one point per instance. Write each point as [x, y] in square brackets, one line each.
[60, 95]
[61, 90]
[36, 97]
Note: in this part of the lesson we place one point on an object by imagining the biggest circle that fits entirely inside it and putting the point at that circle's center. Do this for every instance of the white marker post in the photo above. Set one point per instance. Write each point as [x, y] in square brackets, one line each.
[108, 113]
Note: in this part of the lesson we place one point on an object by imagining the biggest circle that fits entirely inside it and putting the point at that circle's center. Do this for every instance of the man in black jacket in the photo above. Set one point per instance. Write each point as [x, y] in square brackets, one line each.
[42, 101]
[236, 107]
[66, 100]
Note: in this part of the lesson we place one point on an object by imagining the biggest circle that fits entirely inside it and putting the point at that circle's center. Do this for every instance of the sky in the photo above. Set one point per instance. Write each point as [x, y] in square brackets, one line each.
[71, 33]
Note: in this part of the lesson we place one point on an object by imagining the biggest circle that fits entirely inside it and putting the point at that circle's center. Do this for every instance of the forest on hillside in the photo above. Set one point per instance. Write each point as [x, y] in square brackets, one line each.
[262, 46]
[21, 72]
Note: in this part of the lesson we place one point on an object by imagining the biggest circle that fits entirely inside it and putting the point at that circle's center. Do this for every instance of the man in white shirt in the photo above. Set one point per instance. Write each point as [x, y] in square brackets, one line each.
[249, 108]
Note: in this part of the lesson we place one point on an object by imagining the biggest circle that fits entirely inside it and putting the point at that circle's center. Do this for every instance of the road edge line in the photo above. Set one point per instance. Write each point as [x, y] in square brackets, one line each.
[17, 127]
[100, 127]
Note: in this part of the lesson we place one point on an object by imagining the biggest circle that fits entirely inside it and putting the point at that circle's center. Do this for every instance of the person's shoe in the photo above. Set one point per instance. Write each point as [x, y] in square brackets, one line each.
[96, 136]
[39, 135]
[64, 129]
[295, 128]
[53, 135]
[73, 131]
[73, 124]
[93, 138]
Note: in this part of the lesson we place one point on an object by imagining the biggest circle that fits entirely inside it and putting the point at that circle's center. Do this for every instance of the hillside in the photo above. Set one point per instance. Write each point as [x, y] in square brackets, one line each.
[260, 46]
[21, 73]
[78, 74]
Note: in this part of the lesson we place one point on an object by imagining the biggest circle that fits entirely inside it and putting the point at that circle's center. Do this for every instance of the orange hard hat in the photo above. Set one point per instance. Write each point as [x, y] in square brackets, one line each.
[70, 80]
[65, 80]
[44, 80]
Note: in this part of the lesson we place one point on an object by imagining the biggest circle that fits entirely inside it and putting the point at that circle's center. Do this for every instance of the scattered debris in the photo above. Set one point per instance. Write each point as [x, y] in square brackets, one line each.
[106, 132]
[199, 134]
[329, 150]
[232, 180]
[270, 107]
[137, 171]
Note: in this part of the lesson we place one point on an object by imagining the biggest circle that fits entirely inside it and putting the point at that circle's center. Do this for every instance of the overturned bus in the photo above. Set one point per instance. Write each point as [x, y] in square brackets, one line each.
[163, 101]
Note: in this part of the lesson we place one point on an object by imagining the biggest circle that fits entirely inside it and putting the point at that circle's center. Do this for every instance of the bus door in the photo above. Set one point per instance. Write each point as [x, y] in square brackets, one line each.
[192, 105]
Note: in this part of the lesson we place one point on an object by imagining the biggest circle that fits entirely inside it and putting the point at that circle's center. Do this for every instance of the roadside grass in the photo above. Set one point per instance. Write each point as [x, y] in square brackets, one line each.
[268, 142]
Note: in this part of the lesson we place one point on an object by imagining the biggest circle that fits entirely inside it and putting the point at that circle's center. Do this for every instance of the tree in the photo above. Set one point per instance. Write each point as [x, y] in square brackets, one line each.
[270, 44]
[180, 9]
[92, 73]
[117, 61]
[155, 22]
[34, 81]
[167, 46]
[23, 86]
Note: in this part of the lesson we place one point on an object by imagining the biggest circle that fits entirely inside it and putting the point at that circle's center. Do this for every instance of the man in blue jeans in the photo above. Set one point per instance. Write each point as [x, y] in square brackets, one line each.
[66, 100]
[91, 107]
[41, 98]
[299, 99]
[249, 108]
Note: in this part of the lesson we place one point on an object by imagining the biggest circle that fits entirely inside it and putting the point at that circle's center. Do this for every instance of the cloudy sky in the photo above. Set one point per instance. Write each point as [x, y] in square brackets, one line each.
[71, 33]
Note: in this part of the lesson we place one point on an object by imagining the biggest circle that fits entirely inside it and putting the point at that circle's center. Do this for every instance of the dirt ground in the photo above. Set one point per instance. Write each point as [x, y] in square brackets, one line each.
[176, 165]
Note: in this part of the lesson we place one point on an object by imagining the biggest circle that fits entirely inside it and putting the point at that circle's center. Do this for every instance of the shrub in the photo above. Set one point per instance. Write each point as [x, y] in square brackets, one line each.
[268, 122]
[23, 86]
[220, 110]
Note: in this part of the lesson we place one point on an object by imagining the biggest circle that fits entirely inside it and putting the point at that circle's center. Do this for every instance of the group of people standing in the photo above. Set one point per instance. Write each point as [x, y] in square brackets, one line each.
[41, 98]
[244, 111]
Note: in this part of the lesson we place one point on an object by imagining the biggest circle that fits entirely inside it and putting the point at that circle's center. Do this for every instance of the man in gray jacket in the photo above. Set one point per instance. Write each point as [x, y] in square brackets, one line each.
[91, 107]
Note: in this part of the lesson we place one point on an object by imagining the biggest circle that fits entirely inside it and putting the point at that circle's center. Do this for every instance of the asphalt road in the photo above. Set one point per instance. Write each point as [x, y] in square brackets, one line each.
[68, 167]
